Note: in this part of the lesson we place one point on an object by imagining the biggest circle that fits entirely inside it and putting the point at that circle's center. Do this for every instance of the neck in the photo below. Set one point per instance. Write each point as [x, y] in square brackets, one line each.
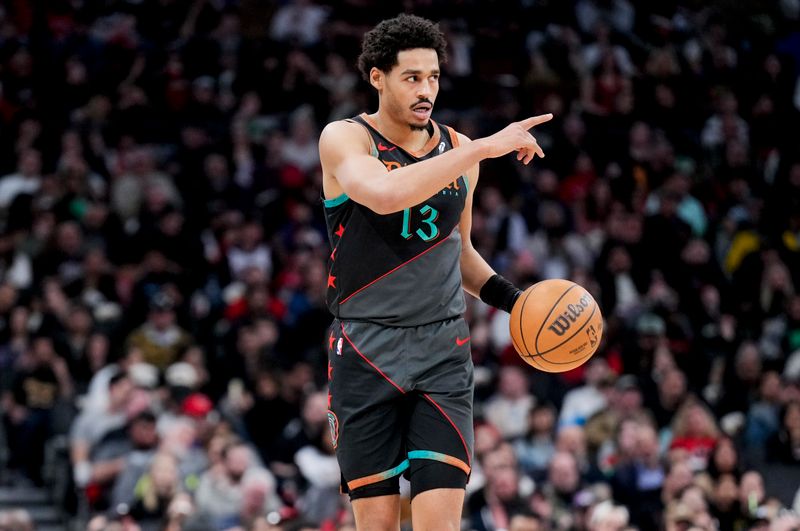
[401, 133]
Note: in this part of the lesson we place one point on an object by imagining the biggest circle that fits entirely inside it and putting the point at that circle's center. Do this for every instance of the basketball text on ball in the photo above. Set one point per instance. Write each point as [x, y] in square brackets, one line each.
[556, 325]
[562, 322]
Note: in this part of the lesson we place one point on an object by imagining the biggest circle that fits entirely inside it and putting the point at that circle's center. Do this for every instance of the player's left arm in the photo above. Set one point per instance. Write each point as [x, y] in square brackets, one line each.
[477, 276]
[475, 271]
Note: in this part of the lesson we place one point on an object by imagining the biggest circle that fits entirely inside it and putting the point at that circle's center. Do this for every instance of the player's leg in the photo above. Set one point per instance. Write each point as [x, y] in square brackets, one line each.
[440, 433]
[439, 463]
[365, 422]
[381, 513]
[438, 509]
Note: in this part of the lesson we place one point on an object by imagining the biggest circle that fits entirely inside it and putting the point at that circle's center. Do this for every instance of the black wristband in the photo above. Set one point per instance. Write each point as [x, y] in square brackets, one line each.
[500, 293]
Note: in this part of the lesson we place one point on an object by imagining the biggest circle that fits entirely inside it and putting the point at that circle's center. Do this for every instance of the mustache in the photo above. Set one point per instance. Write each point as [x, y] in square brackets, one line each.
[429, 102]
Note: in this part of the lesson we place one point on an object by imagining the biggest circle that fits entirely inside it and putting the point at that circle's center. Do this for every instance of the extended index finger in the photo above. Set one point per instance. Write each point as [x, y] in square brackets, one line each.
[533, 121]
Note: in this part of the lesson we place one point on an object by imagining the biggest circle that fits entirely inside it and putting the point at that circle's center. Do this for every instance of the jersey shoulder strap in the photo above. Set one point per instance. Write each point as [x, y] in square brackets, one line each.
[371, 132]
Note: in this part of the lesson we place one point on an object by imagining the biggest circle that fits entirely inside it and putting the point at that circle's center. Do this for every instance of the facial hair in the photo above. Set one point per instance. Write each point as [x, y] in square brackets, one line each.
[414, 127]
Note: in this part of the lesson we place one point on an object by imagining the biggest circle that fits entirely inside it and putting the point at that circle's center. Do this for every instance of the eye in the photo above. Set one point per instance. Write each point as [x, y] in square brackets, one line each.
[435, 77]
[413, 79]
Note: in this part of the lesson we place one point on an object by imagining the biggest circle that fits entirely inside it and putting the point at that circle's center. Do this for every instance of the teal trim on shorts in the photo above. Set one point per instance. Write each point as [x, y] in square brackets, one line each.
[380, 476]
[336, 201]
[442, 458]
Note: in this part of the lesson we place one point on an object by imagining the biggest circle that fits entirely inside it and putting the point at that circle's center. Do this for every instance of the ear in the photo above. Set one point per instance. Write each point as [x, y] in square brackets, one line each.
[376, 78]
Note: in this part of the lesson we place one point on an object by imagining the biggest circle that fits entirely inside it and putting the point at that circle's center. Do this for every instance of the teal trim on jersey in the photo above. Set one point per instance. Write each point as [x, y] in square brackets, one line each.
[374, 150]
[466, 182]
[336, 201]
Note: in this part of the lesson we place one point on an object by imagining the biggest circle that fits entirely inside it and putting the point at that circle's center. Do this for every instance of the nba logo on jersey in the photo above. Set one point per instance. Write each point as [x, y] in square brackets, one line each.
[441, 147]
[339, 347]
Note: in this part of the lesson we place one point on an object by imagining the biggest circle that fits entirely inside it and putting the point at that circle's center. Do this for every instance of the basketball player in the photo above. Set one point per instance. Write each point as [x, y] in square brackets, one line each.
[398, 197]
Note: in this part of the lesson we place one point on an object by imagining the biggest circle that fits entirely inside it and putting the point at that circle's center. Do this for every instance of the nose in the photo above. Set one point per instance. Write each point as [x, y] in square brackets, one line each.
[424, 90]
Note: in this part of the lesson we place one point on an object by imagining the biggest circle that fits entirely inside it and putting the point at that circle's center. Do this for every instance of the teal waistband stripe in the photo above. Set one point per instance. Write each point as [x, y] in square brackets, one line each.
[336, 201]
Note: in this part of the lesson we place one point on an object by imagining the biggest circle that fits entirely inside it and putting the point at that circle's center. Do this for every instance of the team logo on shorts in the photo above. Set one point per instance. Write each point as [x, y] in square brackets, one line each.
[339, 347]
[333, 424]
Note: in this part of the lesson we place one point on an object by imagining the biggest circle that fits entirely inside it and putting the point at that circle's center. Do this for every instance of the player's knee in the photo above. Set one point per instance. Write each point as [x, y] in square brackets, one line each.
[427, 475]
[377, 507]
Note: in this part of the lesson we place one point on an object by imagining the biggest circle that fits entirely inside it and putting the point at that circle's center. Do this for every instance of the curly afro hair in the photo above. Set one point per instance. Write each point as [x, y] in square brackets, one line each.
[381, 45]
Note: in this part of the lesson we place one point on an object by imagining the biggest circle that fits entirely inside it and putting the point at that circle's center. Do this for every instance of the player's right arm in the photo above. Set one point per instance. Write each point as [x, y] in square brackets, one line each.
[348, 167]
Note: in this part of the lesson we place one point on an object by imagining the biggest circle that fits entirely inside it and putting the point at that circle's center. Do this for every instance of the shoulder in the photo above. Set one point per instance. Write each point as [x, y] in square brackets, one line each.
[345, 131]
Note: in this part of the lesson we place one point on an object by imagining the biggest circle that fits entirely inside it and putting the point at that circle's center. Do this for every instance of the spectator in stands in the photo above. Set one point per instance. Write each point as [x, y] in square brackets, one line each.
[92, 425]
[563, 482]
[493, 506]
[638, 480]
[160, 339]
[536, 449]
[583, 402]
[219, 492]
[724, 458]
[42, 381]
[317, 465]
[137, 458]
[25, 181]
[784, 445]
[508, 408]
[694, 433]
[155, 492]
[606, 516]
[16, 520]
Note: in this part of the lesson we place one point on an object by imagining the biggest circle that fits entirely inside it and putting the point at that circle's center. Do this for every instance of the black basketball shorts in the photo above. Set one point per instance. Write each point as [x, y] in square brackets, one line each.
[400, 400]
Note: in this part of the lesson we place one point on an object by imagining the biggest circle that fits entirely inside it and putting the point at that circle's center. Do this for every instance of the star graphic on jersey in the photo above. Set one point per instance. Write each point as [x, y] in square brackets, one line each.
[333, 255]
[331, 281]
[340, 232]
[330, 342]
[330, 373]
[329, 400]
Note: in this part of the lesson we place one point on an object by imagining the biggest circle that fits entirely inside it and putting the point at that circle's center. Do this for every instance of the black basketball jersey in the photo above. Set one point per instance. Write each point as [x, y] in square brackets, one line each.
[400, 269]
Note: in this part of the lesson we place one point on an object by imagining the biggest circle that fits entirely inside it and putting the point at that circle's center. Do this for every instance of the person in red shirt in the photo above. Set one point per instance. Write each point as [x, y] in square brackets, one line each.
[695, 432]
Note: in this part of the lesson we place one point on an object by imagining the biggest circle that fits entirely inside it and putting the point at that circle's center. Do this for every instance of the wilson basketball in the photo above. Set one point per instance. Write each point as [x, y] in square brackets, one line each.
[556, 325]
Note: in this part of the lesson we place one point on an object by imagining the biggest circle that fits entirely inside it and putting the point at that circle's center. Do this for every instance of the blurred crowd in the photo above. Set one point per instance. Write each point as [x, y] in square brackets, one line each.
[163, 258]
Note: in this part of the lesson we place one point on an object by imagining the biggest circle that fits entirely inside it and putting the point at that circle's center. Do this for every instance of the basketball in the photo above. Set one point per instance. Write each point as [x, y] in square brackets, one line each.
[556, 325]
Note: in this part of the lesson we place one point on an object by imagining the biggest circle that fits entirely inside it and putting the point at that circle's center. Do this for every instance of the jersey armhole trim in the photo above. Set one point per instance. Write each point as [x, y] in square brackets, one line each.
[455, 142]
[373, 149]
[336, 201]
